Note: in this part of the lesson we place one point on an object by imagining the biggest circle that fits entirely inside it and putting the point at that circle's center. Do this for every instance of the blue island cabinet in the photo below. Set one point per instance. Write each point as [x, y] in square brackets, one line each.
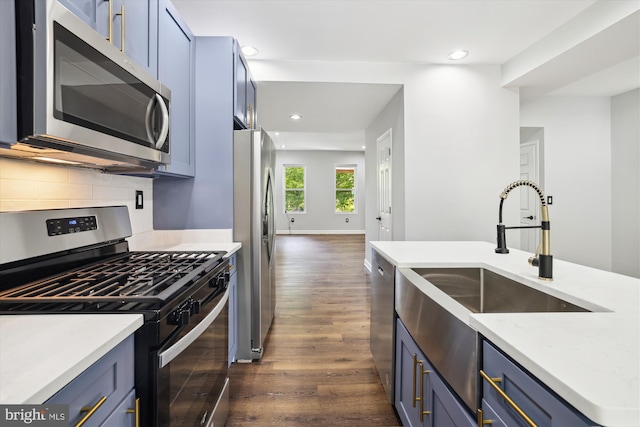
[106, 386]
[538, 403]
[421, 397]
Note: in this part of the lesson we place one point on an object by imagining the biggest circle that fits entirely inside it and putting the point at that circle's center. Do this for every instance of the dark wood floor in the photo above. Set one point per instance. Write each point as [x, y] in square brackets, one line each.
[317, 368]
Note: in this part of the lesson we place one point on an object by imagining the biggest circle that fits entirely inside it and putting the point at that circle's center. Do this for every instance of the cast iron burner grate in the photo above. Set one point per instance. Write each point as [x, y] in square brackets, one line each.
[151, 277]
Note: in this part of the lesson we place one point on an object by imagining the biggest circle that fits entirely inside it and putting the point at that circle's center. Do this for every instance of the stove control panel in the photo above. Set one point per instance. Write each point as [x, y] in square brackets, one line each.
[59, 226]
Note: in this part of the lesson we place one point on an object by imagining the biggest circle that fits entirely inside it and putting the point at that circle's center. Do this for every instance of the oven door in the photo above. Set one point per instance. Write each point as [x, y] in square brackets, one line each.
[193, 369]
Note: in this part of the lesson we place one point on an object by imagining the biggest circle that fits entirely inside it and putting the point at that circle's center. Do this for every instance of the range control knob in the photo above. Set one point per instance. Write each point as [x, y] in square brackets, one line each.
[194, 307]
[180, 317]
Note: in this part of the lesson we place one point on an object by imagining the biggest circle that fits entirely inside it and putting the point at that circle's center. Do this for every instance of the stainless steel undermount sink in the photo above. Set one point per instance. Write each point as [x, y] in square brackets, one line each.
[483, 291]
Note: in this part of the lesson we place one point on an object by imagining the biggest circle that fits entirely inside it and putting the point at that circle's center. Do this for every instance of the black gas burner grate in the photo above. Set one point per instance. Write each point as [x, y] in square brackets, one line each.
[151, 277]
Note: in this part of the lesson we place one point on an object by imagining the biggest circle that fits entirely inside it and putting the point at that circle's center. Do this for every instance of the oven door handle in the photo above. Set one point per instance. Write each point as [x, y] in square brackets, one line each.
[172, 352]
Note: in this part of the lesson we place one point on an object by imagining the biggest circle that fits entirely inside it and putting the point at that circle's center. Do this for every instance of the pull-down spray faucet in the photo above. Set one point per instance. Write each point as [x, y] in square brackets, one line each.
[542, 259]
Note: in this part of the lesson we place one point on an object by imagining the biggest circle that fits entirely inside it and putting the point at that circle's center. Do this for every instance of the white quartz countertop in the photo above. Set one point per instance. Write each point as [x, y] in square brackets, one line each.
[185, 240]
[592, 360]
[40, 354]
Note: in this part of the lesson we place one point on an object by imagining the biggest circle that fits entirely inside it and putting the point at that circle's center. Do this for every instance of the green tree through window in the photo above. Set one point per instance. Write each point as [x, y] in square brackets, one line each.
[345, 189]
[294, 188]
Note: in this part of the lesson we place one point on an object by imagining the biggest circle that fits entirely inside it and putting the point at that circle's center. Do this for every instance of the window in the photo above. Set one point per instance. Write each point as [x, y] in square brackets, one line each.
[294, 188]
[345, 189]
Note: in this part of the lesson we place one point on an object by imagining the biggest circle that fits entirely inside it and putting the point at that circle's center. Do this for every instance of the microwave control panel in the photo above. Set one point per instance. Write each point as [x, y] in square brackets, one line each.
[59, 226]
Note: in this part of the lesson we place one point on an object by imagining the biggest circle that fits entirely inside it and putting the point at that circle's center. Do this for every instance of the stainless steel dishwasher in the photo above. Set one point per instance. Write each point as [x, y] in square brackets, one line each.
[383, 320]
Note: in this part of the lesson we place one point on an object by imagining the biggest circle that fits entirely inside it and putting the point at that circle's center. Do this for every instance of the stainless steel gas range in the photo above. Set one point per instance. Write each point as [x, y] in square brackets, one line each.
[78, 261]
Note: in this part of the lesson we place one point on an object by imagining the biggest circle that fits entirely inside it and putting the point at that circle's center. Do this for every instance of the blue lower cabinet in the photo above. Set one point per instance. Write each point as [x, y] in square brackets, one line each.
[107, 385]
[421, 396]
[540, 404]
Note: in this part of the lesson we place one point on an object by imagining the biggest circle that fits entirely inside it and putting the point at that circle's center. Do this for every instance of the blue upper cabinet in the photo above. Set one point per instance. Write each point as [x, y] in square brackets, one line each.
[176, 70]
[135, 20]
[244, 92]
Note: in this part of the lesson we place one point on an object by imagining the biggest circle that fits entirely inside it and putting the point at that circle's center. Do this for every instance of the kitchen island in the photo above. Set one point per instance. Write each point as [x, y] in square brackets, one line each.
[591, 360]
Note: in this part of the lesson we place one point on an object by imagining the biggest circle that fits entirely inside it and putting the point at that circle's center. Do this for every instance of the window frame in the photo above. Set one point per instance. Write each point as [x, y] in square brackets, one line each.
[354, 189]
[285, 189]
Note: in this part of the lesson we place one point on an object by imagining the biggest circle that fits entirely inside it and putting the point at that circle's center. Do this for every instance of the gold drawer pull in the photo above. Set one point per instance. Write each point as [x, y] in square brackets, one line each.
[421, 398]
[90, 410]
[415, 365]
[136, 412]
[504, 395]
[481, 421]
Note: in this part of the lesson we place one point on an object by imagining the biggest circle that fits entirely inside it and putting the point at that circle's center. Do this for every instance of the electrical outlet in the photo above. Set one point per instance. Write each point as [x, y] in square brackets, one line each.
[293, 220]
[549, 200]
[139, 199]
[346, 220]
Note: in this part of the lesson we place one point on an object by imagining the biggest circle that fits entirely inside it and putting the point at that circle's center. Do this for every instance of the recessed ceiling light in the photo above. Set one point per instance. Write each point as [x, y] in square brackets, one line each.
[458, 54]
[364, 147]
[249, 50]
[295, 117]
[277, 133]
[283, 146]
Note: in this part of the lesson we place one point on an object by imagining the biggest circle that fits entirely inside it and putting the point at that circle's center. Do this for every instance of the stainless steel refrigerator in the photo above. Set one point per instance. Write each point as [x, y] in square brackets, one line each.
[254, 227]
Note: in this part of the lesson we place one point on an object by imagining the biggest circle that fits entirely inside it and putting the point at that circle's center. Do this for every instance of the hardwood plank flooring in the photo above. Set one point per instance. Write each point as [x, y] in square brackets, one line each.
[317, 368]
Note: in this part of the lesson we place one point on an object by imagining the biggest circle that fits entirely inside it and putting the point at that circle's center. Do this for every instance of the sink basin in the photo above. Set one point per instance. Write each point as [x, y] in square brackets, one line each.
[483, 291]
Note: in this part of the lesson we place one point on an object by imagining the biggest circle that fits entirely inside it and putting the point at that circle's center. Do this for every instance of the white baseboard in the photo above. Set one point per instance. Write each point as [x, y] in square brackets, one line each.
[320, 232]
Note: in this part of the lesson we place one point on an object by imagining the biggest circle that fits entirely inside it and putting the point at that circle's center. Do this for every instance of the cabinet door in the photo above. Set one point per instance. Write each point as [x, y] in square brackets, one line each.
[542, 406]
[445, 409]
[252, 104]
[233, 309]
[140, 31]
[407, 378]
[240, 89]
[176, 53]
[94, 13]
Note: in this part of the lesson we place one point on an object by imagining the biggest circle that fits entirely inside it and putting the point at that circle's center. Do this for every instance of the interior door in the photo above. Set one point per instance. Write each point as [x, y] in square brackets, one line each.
[384, 186]
[529, 201]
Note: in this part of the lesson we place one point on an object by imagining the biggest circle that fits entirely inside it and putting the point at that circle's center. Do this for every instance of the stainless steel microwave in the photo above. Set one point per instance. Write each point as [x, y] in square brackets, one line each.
[79, 100]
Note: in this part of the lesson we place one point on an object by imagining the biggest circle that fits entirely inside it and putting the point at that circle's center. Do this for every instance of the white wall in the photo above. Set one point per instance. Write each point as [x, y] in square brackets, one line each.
[320, 216]
[461, 140]
[625, 183]
[28, 186]
[577, 162]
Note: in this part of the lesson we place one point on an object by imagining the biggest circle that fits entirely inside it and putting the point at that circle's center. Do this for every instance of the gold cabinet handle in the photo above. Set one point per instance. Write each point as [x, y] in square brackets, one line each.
[121, 14]
[250, 116]
[422, 374]
[136, 412]
[90, 410]
[415, 370]
[492, 382]
[481, 421]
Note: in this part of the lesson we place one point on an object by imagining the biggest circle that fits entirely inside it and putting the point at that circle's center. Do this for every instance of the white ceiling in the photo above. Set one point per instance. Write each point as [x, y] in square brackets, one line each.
[405, 31]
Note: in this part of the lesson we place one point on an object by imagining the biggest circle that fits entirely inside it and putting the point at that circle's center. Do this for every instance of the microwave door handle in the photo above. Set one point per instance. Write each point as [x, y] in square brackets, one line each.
[147, 119]
[164, 132]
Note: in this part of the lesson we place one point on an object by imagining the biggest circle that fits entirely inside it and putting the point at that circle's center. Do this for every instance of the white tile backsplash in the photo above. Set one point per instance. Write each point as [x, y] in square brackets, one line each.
[28, 186]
